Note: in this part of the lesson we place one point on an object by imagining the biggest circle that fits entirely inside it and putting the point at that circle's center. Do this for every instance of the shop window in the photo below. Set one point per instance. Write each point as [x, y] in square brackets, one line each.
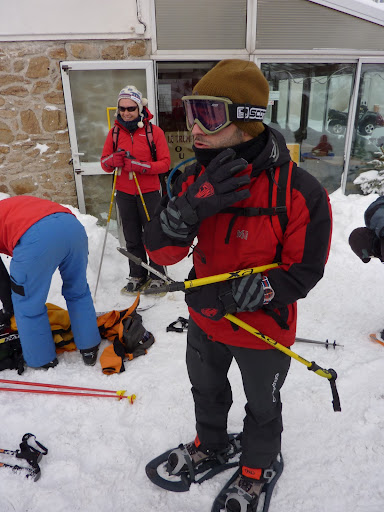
[175, 80]
[309, 106]
[366, 164]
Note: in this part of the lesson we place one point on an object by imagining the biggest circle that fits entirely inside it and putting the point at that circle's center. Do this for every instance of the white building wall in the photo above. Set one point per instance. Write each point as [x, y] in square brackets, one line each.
[41, 20]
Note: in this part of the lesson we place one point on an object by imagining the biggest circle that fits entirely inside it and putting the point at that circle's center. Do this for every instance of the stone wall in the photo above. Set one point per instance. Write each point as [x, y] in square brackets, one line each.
[35, 154]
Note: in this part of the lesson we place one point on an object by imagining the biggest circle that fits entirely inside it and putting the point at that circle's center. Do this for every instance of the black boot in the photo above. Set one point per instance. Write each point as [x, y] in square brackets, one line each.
[90, 355]
[51, 364]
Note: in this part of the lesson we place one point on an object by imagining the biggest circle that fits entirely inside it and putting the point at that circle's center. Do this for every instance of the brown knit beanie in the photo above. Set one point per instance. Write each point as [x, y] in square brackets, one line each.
[240, 81]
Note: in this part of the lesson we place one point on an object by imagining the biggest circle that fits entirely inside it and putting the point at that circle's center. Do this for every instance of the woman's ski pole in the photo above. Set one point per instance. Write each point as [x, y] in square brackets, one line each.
[141, 196]
[117, 172]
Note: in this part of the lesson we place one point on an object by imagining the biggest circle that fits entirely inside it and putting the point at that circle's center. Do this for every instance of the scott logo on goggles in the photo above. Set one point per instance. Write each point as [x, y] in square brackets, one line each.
[250, 113]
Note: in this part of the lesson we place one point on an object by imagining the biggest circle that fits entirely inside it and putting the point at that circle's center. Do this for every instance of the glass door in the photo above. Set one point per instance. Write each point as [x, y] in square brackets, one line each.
[91, 89]
[365, 161]
[309, 105]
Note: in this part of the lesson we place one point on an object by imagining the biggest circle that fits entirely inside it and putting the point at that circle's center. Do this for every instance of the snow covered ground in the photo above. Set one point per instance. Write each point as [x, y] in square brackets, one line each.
[98, 447]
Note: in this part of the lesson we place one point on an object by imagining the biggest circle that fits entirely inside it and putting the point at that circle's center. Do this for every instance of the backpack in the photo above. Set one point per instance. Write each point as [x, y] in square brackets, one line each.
[129, 338]
[11, 355]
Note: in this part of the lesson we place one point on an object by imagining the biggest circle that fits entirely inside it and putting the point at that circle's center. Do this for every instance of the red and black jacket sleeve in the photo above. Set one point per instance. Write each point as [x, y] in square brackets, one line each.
[306, 242]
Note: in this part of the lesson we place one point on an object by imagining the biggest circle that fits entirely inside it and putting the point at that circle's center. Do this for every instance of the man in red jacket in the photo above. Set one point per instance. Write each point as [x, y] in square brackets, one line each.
[226, 201]
[129, 147]
[42, 236]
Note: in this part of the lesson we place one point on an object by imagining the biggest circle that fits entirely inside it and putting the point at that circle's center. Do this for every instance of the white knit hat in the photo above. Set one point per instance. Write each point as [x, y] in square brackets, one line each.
[129, 92]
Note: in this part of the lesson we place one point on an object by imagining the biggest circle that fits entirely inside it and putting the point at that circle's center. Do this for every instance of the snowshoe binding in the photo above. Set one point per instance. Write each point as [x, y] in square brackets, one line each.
[242, 494]
[175, 470]
[135, 285]
[156, 287]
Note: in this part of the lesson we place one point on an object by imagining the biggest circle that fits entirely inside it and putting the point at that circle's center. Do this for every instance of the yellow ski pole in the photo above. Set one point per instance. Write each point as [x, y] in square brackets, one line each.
[330, 374]
[174, 286]
[117, 172]
[177, 286]
[141, 195]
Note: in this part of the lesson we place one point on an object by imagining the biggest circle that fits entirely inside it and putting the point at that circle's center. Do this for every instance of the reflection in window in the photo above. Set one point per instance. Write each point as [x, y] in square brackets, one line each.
[311, 110]
[368, 135]
[175, 80]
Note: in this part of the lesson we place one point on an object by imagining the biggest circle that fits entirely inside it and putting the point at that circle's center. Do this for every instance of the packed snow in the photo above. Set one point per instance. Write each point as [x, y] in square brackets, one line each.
[98, 447]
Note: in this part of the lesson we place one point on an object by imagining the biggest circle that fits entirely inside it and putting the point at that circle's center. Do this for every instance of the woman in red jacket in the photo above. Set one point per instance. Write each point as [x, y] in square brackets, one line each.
[140, 150]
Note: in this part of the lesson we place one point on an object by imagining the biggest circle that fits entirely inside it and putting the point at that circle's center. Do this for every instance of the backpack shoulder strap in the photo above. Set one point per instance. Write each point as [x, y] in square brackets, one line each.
[151, 142]
[281, 198]
[115, 137]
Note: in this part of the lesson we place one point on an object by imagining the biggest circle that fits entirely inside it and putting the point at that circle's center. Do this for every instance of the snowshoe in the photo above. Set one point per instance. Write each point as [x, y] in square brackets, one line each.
[175, 470]
[157, 284]
[135, 285]
[240, 495]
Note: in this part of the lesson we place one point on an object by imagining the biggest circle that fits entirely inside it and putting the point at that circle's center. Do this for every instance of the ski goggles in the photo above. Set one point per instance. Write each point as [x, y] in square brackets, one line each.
[213, 114]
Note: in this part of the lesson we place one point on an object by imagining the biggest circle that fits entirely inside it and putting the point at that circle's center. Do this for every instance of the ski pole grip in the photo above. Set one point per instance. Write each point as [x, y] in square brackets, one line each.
[331, 375]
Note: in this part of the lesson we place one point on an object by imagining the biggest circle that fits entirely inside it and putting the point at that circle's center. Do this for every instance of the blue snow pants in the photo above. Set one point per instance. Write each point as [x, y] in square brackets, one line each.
[56, 241]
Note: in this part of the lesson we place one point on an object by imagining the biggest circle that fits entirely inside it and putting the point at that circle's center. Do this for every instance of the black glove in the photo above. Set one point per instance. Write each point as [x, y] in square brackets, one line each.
[365, 244]
[244, 294]
[215, 189]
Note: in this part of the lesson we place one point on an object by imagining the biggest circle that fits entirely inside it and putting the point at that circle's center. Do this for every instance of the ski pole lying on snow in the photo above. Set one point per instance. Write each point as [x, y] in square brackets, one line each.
[330, 374]
[78, 391]
[326, 343]
[30, 454]
[33, 473]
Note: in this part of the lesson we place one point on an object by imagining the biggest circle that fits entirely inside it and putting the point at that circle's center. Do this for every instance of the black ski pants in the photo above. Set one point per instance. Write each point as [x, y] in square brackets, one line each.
[263, 373]
[134, 219]
[5, 288]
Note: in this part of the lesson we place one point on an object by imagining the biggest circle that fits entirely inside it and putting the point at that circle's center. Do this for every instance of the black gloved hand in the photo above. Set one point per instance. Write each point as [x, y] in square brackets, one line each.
[208, 300]
[215, 189]
[365, 244]
[244, 294]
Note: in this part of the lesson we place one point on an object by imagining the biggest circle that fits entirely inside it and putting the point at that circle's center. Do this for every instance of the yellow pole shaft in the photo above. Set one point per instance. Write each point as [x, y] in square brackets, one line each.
[141, 196]
[228, 275]
[275, 344]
